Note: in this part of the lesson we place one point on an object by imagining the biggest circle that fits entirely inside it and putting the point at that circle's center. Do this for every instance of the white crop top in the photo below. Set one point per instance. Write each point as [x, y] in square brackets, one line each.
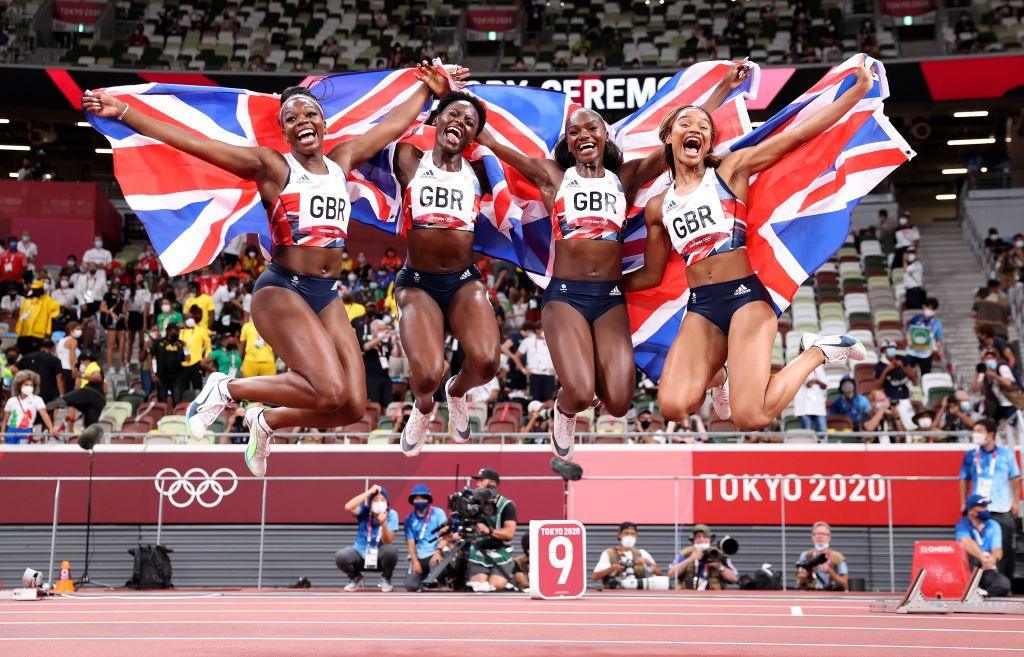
[436, 198]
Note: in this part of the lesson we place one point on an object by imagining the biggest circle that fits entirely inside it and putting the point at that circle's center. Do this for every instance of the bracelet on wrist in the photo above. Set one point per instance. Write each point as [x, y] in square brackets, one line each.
[123, 112]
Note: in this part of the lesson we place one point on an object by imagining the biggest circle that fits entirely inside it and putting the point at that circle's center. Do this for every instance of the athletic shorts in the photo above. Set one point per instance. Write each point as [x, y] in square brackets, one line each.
[258, 369]
[589, 298]
[718, 302]
[317, 292]
[441, 287]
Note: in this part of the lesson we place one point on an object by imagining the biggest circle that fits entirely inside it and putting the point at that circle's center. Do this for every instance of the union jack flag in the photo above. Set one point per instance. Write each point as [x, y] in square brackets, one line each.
[191, 208]
[798, 210]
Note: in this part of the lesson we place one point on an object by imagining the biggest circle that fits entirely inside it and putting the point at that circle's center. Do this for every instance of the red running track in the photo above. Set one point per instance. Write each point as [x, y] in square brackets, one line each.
[254, 624]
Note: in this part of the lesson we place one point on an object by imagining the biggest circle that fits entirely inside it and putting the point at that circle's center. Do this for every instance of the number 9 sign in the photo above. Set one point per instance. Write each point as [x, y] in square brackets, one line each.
[558, 559]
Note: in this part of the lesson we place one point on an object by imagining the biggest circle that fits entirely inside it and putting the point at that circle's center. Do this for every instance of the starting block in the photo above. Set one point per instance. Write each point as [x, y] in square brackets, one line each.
[971, 602]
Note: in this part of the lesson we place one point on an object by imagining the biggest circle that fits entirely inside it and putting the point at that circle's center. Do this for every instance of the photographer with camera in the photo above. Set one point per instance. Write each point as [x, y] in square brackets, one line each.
[490, 557]
[894, 376]
[421, 535]
[822, 568]
[373, 549]
[704, 566]
[625, 566]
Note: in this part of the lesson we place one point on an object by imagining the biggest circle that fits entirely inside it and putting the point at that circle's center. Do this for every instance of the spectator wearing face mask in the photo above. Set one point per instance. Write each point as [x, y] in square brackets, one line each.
[90, 393]
[622, 566]
[851, 404]
[13, 262]
[884, 418]
[90, 287]
[169, 361]
[147, 361]
[63, 294]
[421, 535]
[347, 264]
[257, 356]
[907, 237]
[956, 413]
[49, 369]
[991, 472]
[830, 575]
[376, 340]
[913, 281]
[197, 347]
[694, 568]
[391, 260]
[893, 376]
[225, 358]
[148, 261]
[23, 407]
[989, 341]
[983, 539]
[168, 315]
[374, 548]
[67, 348]
[809, 402]
[199, 299]
[251, 262]
[98, 255]
[35, 318]
[27, 247]
[995, 381]
[924, 337]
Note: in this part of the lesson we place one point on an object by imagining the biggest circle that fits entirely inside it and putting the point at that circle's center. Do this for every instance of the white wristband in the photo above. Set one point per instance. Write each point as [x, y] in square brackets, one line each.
[123, 112]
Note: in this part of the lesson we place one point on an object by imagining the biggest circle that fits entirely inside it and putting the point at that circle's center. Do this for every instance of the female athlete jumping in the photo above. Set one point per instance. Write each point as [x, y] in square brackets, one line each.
[439, 283]
[729, 314]
[586, 191]
[293, 306]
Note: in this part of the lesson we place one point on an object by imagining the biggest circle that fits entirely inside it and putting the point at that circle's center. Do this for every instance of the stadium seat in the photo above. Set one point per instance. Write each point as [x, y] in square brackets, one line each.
[508, 412]
[800, 436]
[173, 424]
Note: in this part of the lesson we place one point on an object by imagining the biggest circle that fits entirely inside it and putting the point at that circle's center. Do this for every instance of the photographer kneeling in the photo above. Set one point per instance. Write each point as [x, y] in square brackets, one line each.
[822, 568]
[703, 566]
[490, 558]
[373, 549]
[626, 566]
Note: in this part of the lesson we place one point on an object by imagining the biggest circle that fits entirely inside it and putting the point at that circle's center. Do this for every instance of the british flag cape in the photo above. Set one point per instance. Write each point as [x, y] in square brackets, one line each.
[798, 210]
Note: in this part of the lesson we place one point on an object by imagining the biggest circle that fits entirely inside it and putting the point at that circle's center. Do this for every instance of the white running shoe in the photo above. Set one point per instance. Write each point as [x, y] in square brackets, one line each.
[208, 405]
[563, 435]
[837, 348]
[355, 584]
[458, 415]
[260, 436]
[720, 399]
[415, 432]
[386, 586]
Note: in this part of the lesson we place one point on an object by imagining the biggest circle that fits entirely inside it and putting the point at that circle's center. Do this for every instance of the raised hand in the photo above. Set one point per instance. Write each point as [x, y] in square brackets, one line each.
[102, 104]
[738, 72]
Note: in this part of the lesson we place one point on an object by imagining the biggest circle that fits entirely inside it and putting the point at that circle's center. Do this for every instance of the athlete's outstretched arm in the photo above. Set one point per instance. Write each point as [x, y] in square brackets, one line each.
[636, 173]
[542, 172]
[656, 251]
[353, 152]
[749, 161]
[249, 162]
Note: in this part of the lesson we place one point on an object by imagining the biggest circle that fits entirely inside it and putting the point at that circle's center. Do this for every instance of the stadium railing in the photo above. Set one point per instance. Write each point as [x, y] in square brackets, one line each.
[885, 481]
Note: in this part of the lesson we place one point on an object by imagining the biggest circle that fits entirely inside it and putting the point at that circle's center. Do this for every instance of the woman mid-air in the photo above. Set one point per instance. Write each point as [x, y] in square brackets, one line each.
[587, 191]
[293, 303]
[729, 312]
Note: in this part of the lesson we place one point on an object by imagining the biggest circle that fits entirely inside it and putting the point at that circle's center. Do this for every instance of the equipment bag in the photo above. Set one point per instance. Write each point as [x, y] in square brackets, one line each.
[152, 569]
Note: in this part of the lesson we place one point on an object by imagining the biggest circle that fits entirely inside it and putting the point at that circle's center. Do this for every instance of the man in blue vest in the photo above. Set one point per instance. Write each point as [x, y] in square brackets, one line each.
[490, 558]
[421, 535]
[982, 538]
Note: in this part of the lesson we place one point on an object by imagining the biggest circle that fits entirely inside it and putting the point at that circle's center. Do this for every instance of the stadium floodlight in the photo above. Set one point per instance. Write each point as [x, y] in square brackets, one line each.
[970, 114]
[945, 197]
[956, 171]
[971, 142]
[83, 124]
[14, 147]
[104, 151]
[5, 120]
[13, 174]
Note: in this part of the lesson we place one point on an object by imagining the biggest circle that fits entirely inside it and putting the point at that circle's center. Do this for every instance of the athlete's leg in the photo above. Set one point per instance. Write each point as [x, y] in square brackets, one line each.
[757, 395]
[571, 344]
[694, 362]
[616, 371]
[315, 379]
[473, 323]
[421, 326]
[347, 354]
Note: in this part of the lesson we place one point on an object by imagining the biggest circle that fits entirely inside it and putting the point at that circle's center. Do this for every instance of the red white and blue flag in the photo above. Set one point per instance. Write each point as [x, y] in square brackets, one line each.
[798, 210]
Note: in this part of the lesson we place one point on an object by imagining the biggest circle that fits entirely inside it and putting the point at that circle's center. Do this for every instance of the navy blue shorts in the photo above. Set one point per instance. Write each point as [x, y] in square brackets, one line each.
[590, 298]
[317, 292]
[440, 287]
[719, 301]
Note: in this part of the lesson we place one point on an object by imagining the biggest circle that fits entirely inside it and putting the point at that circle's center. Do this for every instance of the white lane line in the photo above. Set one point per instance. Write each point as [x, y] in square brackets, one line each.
[845, 628]
[546, 641]
[371, 595]
[479, 613]
[434, 602]
[796, 611]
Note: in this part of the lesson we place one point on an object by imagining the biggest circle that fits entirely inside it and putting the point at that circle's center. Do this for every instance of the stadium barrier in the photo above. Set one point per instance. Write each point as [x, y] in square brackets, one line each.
[206, 487]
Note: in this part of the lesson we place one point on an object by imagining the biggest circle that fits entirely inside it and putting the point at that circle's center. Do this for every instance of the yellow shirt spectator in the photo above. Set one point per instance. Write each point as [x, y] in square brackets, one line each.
[92, 368]
[354, 310]
[36, 315]
[257, 356]
[197, 341]
[205, 303]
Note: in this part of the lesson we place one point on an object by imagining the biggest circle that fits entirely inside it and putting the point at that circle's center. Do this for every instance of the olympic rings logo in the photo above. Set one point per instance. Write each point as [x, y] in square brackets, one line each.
[196, 485]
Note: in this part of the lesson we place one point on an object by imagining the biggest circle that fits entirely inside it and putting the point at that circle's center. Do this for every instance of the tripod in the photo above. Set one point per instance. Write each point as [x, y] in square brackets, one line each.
[460, 550]
[84, 580]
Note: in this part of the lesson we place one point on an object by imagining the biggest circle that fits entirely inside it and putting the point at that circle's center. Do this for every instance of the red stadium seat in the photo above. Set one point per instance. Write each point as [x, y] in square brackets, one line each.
[508, 412]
